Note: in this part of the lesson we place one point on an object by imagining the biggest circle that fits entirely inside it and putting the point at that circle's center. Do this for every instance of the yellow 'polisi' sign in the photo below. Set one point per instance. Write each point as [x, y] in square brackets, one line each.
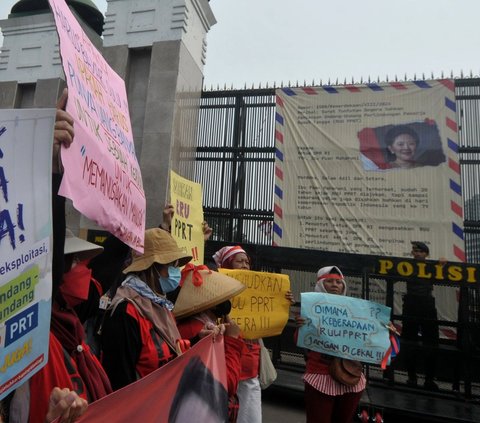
[427, 270]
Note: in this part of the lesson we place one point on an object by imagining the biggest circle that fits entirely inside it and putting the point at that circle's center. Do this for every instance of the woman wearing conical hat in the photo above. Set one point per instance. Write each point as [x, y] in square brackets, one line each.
[202, 308]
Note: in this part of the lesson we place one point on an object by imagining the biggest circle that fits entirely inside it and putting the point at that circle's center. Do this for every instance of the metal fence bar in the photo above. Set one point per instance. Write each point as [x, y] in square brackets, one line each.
[236, 156]
[235, 159]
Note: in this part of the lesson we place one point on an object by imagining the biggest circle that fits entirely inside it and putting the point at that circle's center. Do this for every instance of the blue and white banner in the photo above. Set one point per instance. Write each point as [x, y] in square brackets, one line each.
[344, 327]
[25, 243]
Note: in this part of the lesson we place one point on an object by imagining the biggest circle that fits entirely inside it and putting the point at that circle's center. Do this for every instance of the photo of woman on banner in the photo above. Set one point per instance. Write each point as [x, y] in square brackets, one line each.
[199, 395]
[404, 146]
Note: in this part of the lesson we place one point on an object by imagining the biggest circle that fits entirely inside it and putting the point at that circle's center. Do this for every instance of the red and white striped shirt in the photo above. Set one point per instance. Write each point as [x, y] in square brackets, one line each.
[327, 385]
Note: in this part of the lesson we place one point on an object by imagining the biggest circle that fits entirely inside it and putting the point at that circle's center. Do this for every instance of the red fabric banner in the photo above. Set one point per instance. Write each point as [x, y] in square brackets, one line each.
[190, 388]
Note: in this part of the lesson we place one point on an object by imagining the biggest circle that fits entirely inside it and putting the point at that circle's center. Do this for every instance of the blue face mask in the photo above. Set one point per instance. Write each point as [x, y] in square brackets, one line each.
[171, 283]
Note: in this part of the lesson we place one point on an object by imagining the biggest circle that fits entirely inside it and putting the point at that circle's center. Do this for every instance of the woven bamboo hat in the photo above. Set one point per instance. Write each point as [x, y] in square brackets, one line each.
[79, 246]
[203, 289]
[159, 247]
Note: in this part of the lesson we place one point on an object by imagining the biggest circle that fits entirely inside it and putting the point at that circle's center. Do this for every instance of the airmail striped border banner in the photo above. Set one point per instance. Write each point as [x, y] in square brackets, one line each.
[383, 91]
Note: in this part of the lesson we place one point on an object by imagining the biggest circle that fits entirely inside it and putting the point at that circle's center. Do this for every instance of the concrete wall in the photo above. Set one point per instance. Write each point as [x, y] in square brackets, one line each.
[158, 47]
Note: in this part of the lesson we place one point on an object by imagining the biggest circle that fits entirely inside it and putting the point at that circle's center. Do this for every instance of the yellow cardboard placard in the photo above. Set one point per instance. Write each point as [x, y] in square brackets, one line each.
[262, 309]
[186, 198]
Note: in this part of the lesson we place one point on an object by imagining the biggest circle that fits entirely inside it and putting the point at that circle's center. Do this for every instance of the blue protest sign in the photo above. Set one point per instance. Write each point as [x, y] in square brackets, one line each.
[344, 327]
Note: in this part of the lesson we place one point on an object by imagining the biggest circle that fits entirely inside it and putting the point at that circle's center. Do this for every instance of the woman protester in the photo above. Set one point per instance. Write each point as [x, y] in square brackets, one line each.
[139, 333]
[326, 400]
[63, 386]
[249, 392]
[202, 309]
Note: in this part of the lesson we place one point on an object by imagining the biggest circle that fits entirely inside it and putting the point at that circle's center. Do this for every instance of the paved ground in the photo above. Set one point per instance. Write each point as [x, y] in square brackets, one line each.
[280, 405]
[283, 402]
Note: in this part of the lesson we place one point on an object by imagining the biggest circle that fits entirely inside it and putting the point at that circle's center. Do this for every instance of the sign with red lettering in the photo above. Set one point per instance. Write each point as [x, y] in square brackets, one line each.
[102, 175]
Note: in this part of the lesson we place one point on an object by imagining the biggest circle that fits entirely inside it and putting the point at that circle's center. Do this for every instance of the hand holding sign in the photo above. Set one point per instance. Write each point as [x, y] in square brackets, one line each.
[344, 327]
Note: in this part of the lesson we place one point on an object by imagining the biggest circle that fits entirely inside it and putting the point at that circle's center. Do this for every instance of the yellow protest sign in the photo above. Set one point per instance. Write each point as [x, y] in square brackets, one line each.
[186, 197]
[262, 309]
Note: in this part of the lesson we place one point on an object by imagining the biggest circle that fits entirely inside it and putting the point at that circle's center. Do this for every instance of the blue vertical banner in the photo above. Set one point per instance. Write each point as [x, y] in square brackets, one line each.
[26, 138]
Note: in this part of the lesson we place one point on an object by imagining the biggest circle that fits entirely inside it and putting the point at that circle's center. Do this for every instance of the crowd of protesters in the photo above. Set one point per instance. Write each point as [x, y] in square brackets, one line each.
[118, 315]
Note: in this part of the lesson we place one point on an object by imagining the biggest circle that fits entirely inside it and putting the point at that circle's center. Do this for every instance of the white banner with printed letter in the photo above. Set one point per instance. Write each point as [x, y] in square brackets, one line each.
[368, 168]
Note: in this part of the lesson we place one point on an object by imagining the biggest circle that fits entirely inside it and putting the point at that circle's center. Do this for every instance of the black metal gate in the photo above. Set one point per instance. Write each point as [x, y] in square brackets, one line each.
[236, 155]
[235, 165]
[235, 158]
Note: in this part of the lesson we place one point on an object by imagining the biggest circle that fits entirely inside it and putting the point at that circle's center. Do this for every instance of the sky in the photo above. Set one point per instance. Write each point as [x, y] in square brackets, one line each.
[256, 42]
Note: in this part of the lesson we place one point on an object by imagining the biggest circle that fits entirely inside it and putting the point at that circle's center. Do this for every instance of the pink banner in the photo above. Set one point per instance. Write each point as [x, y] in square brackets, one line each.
[102, 175]
[191, 388]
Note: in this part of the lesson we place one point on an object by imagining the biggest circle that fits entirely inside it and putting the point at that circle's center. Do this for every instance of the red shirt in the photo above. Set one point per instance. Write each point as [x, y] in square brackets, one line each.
[60, 371]
[234, 350]
[250, 359]
[131, 347]
[155, 352]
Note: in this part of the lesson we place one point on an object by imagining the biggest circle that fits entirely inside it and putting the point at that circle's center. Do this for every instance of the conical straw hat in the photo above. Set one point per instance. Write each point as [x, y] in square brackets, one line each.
[203, 289]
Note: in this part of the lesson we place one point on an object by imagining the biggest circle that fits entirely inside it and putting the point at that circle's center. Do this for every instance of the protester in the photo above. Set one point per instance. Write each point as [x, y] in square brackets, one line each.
[139, 333]
[48, 401]
[79, 289]
[63, 404]
[326, 400]
[249, 391]
[74, 293]
[420, 315]
[71, 364]
[202, 308]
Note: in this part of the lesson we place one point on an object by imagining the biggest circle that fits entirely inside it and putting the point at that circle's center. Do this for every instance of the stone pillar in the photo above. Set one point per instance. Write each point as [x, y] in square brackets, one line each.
[31, 73]
[164, 75]
[8, 94]
[157, 46]
[31, 50]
